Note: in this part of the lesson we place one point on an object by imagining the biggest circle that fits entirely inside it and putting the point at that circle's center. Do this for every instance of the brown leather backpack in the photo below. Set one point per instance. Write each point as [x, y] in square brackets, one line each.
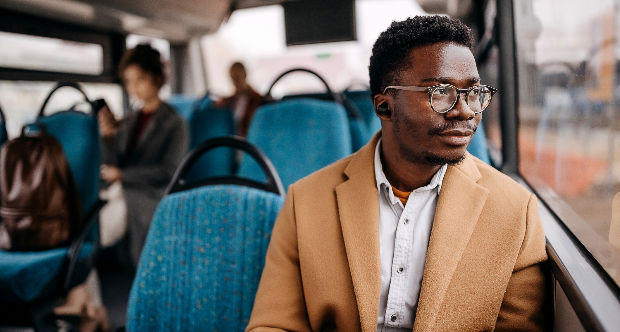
[40, 202]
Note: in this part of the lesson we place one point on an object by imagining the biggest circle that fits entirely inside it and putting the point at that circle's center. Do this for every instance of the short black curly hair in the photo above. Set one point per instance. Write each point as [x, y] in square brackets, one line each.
[394, 44]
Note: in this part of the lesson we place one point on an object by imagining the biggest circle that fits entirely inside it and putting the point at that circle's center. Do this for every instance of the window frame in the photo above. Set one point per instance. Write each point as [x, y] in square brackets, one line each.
[113, 45]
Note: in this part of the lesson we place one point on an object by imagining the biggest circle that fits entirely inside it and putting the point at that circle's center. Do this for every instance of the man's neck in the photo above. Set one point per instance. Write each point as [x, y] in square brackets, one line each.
[405, 175]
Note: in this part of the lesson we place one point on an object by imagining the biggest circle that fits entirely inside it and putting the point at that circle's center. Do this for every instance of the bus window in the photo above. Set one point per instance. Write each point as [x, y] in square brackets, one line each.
[50, 54]
[569, 123]
[256, 37]
[22, 100]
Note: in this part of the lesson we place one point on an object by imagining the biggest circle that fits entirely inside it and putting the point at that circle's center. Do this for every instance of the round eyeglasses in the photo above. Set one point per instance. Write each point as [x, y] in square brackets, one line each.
[443, 97]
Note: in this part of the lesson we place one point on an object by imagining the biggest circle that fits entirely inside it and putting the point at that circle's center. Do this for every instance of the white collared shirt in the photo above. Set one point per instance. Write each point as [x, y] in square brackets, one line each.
[404, 233]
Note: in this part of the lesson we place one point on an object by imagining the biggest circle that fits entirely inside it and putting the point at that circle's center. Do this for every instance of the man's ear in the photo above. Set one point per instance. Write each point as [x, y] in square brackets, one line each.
[383, 108]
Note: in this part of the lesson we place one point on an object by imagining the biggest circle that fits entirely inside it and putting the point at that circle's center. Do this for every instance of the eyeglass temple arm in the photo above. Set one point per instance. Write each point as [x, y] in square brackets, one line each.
[410, 88]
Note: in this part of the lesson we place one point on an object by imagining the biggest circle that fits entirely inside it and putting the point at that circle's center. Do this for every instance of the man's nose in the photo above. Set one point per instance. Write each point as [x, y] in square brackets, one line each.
[461, 110]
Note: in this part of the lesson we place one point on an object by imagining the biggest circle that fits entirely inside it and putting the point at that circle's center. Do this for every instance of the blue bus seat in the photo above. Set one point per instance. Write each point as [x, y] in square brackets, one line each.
[205, 252]
[363, 101]
[205, 123]
[360, 134]
[3, 133]
[27, 277]
[478, 145]
[78, 133]
[183, 104]
[299, 136]
[202, 261]
[359, 131]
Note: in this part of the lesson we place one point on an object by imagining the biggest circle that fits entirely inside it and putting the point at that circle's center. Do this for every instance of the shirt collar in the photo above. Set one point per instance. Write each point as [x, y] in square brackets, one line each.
[436, 181]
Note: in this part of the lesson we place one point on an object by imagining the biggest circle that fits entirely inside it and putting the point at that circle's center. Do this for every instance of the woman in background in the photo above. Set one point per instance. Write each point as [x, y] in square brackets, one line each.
[142, 153]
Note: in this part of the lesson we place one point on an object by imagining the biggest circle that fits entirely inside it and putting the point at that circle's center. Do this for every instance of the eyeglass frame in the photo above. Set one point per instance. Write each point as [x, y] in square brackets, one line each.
[430, 89]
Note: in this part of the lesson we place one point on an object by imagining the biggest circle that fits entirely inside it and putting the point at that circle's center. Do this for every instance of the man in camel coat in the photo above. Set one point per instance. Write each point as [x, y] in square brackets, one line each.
[411, 232]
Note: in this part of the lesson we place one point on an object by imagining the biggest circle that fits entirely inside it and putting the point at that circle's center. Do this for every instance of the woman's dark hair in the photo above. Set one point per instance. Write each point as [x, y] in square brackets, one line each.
[394, 44]
[145, 57]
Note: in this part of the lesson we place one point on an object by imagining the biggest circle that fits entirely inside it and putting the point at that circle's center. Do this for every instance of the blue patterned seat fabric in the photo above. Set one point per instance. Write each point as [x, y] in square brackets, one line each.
[299, 136]
[205, 123]
[363, 101]
[29, 276]
[203, 259]
[359, 131]
[359, 134]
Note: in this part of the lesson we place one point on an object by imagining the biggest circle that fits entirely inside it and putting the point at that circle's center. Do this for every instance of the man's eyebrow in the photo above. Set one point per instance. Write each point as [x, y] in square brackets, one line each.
[449, 79]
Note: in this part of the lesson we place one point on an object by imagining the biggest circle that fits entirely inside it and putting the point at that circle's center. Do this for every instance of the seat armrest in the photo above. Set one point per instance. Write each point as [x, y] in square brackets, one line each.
[74, 269]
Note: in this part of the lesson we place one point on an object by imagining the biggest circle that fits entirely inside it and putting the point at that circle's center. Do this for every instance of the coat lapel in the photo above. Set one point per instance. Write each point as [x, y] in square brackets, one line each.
[358, 208]
[458, 208]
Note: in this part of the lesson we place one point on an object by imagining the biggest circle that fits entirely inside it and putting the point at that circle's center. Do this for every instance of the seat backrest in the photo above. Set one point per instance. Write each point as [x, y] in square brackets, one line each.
[359, 131]
[363, 101]
[183, 104]
[205, 250]
[299, 136]
[478, 145]
[78, 133]
[202, 261]
[205, 123]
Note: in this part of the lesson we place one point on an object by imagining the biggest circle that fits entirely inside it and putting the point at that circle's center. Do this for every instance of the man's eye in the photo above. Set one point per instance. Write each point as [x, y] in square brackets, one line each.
[475, 92]
[441, 91]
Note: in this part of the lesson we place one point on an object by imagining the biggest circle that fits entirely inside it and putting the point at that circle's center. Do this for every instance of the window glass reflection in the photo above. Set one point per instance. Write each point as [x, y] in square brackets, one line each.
[569, 136]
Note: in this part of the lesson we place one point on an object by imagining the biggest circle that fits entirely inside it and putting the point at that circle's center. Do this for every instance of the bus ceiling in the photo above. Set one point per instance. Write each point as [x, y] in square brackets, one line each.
[174, 20]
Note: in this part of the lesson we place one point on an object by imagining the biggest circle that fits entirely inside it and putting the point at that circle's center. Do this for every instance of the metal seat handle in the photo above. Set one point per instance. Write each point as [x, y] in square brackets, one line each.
[333, 96]
[273, 184]
[59, 86]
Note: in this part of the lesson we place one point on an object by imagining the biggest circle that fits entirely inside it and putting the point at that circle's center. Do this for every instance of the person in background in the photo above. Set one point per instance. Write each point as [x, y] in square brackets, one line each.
[243, 102]
[142, 152]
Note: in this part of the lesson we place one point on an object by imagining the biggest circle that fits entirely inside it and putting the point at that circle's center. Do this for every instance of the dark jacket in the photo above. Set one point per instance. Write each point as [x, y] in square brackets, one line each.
[148, 169]
[254, 99]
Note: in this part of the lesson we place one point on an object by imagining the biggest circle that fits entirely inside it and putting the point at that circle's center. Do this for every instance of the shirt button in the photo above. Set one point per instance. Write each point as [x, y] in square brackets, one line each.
[406, 221]
[393, 318]
[400, 269]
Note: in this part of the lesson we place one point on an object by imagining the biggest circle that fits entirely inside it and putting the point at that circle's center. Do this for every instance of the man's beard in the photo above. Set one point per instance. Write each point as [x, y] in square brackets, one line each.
[430, 157]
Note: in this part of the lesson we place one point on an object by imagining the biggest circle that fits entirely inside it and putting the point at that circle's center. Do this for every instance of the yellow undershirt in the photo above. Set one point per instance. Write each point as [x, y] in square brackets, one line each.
[402, 195]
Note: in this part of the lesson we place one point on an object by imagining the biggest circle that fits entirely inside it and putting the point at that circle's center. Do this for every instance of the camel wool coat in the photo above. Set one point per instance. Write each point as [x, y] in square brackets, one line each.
[485, 268]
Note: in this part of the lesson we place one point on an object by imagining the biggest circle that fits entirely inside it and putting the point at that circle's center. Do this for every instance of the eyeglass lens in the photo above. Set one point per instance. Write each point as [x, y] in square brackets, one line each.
[444, 97]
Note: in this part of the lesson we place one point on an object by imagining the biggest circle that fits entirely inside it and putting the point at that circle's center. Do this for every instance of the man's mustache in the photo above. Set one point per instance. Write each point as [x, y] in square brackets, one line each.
[461, 125]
